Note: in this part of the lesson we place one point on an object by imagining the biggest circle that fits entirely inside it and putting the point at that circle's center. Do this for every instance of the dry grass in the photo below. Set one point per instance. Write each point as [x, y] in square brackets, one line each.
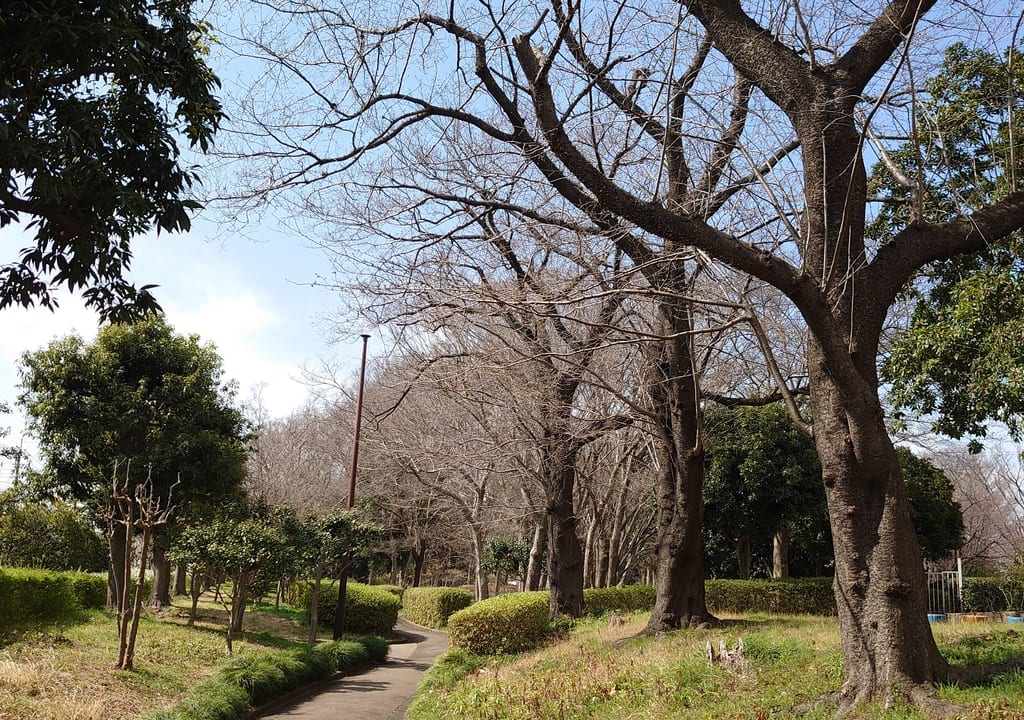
[69, 675]
[598, 673]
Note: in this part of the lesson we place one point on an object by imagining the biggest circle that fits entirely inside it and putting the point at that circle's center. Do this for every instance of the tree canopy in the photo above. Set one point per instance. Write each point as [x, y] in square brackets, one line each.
[961, 361]
[94, 99]
[140, 393]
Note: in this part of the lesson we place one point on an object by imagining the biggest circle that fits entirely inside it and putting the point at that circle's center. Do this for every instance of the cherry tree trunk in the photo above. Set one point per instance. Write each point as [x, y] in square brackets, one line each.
[565, 554]
[880, 587]
[537, 549]
[679, 546]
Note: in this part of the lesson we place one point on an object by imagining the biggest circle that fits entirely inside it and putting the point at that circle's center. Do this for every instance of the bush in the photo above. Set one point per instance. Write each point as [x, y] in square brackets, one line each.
[993, 594]
[368, 608]
[377, 647]
[257, 676]
[432, 606]
[36, 596]
[393, 589]
[90, 589]
[631, 598]
[811, 596]
[503, 624]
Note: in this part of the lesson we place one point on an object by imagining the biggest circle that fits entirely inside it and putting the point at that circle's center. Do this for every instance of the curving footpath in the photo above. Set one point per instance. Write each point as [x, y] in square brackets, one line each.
[382, 692]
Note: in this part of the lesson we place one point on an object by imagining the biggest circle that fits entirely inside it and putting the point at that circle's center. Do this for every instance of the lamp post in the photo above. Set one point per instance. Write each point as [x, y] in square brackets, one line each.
[359, 424]
[346, 563]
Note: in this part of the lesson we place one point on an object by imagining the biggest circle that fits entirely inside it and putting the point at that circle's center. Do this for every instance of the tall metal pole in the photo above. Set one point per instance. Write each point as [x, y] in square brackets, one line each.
[346, 563]
[359, 424]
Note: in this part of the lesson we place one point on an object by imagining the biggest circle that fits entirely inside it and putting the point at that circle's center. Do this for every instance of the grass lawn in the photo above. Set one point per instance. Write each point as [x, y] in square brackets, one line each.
[791, 661]
[67, 673]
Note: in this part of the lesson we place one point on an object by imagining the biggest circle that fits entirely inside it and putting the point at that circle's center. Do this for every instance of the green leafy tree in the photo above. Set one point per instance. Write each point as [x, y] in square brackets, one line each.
[938, 519]
[961, 362]
[504, 556]
[51, 534]
[139, 392]
[243, 551]
[94, 97]
[763, 480]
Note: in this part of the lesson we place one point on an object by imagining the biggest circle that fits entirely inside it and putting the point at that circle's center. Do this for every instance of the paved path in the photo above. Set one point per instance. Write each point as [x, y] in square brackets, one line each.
[382, 692]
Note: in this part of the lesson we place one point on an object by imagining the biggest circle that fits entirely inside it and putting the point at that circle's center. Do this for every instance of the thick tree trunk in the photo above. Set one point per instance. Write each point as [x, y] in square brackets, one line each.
[780, 554]
[180, 580]
[743, 556]
[679, 547]
[160, 594]
[880, 587]
[537, 548]
[565, 554]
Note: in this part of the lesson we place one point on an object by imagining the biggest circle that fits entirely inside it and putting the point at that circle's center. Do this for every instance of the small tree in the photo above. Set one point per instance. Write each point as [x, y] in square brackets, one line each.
[144, 511]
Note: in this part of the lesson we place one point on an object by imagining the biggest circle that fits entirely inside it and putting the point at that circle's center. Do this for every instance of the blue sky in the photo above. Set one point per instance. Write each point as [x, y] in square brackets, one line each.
[253, 299]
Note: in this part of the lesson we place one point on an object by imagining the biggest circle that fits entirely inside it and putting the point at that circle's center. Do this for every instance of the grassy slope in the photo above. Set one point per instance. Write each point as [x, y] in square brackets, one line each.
[67, 673]
[790, 662]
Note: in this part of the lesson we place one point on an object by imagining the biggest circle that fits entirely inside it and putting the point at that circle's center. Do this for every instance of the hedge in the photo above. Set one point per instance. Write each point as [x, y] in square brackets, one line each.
[503, 624]
[32, 596]
[368, 608]
[993, 594]
[631, 598]
[395, 590]
[810, 596]
[253, 677]
[432, 606]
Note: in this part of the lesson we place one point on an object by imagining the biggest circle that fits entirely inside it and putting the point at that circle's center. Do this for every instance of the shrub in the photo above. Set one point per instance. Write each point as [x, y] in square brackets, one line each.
[214, 699]
[31, 596]
[630, 598]
[503, 624]
[983, 594]
[256, 673]
[432, 606]
[395, 590]
[811, 596]
[90, 589]
[257, 676]
[377, 647]
[368, 608]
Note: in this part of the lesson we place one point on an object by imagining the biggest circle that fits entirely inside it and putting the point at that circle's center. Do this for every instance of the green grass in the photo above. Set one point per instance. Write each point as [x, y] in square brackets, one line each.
[598, 673]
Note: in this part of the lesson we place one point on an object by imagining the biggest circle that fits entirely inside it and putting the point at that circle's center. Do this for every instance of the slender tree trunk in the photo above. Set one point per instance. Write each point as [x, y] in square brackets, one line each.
[195, 590]
[129, 654]
[314, 602]
[419, 556]
[537, 548]
[119, 556]
[479, 574]
[338, 628]
[588, 556]
[780, 554]
[679, 547]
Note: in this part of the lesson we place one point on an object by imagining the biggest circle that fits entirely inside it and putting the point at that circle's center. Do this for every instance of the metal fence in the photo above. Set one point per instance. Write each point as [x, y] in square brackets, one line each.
[945, 590]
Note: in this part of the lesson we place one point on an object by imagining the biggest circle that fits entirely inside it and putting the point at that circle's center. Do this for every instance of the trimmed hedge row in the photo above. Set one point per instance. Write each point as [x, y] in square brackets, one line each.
[503, 624]
[799, 596]
[630, 598]
[368, 608]
[28, 595]
[252, 678]
[432, 606]
[993, 594]
[395, 590]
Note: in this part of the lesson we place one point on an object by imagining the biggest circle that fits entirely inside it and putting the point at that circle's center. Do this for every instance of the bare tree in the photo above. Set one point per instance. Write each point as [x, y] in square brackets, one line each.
[613, 115]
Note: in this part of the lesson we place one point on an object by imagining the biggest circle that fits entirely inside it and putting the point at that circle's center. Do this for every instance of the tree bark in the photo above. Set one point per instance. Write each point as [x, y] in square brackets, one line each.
[479, 574]
[537, 548]
[888, 648]
[743, 556]
[160, 594]
[116, 577]
[780, 554]
[180, 580]
[565, 554]
[679, 547]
